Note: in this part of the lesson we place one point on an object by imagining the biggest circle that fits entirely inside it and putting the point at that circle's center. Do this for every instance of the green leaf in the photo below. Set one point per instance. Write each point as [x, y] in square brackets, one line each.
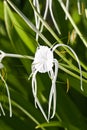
[10, 20]
[1, 10]
[58, 124]
[23, 107]
[68, 111]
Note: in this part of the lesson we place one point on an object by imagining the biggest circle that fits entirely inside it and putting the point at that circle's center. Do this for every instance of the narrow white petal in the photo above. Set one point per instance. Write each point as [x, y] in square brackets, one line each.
[52, 16]
[30, 76]
[54, 102]
[50, 101]
[34, 87]
[46, 9]
[38, 6]
[34, 90]
[8, 93]
[54, 91]
[51, 74]
[45, 14]
[34, 2]
[37, 20]
[63, 45]
[40, 107]
[56, 68]
[52, 96]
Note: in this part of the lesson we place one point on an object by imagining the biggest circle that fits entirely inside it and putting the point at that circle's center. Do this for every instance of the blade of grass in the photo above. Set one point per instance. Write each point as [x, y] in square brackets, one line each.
[52, 124]
[17, 101]
[58, 124]
[71, 73]
[68, 67]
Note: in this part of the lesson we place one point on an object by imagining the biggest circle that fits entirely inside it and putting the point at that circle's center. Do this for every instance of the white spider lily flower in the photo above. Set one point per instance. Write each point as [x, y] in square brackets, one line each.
[8, 93]
[37, 20]
[43, 62]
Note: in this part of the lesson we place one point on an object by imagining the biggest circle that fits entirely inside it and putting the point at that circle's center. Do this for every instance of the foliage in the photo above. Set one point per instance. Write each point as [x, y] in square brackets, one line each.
[17, 35]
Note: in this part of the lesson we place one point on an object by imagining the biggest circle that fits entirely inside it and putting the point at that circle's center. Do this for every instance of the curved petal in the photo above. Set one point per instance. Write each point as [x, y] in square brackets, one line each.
[52, 16]
[37, 20]
[8, 93]
[34, 86]
[52, 96]
[34, 90]
[63, 45]
[45, 14]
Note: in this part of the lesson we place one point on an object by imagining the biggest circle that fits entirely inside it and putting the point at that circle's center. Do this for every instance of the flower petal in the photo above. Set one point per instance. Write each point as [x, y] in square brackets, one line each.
[63, 45]
[8, 93]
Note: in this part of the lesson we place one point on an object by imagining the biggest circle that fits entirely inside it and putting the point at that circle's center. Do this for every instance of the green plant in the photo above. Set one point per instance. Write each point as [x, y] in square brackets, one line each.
[71, 107]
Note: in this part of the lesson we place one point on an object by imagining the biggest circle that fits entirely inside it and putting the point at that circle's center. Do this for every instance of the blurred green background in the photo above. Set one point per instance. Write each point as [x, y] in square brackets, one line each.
[17, 37]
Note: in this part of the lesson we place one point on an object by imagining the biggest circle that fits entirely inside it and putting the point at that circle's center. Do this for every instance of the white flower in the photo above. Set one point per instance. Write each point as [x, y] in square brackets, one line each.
[43, 62]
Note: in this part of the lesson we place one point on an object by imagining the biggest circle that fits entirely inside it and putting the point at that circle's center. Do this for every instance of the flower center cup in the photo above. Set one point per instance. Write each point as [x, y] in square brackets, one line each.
[43, 61]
